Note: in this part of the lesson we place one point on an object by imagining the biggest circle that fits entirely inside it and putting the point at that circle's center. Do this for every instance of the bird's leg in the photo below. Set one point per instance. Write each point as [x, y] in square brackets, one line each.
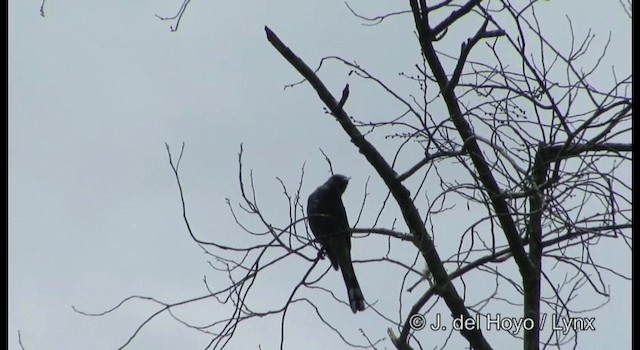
[322, 253]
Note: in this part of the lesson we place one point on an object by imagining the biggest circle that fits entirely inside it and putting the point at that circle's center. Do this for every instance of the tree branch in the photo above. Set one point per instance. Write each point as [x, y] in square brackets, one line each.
[399, 192]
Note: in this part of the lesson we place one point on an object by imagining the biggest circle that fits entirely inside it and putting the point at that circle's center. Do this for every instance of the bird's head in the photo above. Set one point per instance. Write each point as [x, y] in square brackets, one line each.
[338, 182]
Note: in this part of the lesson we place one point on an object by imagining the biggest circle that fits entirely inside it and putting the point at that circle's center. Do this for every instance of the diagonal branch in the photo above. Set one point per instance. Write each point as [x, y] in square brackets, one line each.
[454, 16]
[481, 165]
[466, 49]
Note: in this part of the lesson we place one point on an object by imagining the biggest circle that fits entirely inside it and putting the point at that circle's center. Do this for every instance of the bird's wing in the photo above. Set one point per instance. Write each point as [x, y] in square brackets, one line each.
[322, 222]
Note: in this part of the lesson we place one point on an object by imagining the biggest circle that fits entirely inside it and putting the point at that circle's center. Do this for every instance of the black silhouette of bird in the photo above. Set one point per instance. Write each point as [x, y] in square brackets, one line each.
[328, 221]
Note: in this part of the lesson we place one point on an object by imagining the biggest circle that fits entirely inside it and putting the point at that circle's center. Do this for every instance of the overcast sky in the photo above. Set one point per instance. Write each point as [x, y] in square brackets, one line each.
[96, 89]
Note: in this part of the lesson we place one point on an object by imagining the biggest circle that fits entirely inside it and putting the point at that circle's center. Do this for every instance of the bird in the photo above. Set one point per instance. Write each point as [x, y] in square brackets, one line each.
[328, 221]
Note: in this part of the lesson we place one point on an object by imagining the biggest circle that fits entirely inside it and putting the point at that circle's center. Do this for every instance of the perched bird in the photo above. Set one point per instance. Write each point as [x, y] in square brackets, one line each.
[328, 221]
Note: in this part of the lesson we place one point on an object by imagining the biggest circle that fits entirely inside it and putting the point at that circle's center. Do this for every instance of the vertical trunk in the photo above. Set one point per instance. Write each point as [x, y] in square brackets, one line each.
[534, 233]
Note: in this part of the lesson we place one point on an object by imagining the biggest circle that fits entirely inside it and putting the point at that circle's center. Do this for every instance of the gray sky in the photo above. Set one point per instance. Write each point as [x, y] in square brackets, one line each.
[97, 88]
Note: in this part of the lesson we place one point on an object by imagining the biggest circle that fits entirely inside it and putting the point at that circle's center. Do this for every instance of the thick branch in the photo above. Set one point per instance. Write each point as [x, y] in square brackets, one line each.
[557, 152]
[455, 15]
[471, 146]
[531, 286]
[466, 49]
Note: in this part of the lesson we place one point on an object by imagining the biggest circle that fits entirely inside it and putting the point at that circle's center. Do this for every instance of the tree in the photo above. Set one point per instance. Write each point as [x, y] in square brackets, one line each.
[541, 152]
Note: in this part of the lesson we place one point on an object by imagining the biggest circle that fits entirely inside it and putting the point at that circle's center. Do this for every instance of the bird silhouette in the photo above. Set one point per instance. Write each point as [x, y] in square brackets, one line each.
[328, 221]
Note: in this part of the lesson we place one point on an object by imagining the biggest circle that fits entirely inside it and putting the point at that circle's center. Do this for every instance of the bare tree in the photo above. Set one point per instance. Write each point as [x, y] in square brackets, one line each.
[541, 152]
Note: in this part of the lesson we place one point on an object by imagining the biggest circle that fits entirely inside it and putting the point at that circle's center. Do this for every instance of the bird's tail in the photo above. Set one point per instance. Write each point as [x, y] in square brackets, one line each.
[356, 300]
